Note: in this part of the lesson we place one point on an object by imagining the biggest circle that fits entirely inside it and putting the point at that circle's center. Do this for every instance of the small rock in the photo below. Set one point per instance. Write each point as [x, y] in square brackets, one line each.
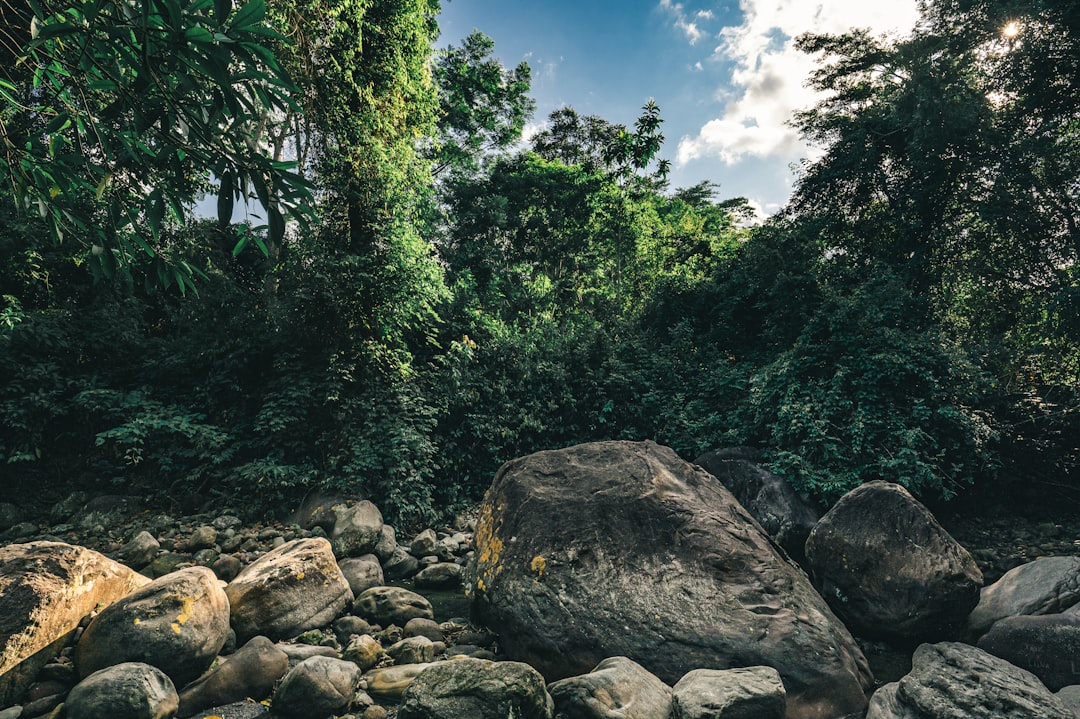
[442, 575]
[362, 573]
[412, 650]
[129, 690]
[424, 543]
[205, 537]
[750, 693]
[364, 651]
[392, 605]
[421, 627]
[317, 687]
[389, 684]
[479, 690]
[615, 683]
[140, 551]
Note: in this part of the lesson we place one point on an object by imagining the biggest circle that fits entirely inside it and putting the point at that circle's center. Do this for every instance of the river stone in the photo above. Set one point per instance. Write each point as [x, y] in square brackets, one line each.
[365, 651]
[129, 690]
[1070, 697]
[317, 509]
[1047, 645]
[317, 687]
[412, 650]
[299, 652]
[387, 685]
[357, 529]
[616, 687]
[477, 689]
[1045, 586]
[139, 551]
[288, 590]
[623, 549]
[950, 680]
[421, 627]
[392, 605]
[46, 588]
[424, 544]
[251, 671]
[770, 499]
[400, 565]
[384, 548]
[749, 693]
[204, 537]
[177, 623]
[363, 572]
[442, 575]
[889, 570]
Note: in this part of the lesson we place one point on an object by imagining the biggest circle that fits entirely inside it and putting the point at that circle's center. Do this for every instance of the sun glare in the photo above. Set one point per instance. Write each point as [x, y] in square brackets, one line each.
[1011, 29]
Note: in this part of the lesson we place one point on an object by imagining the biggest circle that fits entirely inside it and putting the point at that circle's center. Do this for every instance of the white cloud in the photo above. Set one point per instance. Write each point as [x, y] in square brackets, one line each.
[768, 83]
[682, 21]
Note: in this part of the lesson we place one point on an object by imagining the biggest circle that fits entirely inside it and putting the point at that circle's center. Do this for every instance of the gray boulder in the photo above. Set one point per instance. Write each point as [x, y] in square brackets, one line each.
[623, 549]
[617, 687]
[412, 650]
[363, 572]
[140, 550]
[46, 588]
[392, 605]
[1045, 586]
[251, 671]
[957, 680]
[1070, 697]
[889, 570]
[476, 689]
[317, 687]
[771, 500]
[130, 690]
[1046, 645]
[424, 544]
[750, 693]
[287, 591]
[388, 685]
[177, 623]
[442, 575]
[400, 564]
[357, 529]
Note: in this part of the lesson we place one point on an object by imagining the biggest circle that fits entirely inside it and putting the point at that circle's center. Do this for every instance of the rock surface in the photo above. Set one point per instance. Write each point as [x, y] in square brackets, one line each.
[1047, 645]
[1045, 586]
[130, 690]
[889, 569]
[357, 529]
[296, 587]
[177, 623]
[477, 689]
[251, 671]
[623, 549]
[749, 693]
[317, 687]
[770, 499]
[956, 680]
[392, 605]
[46, 588]
[617, 687]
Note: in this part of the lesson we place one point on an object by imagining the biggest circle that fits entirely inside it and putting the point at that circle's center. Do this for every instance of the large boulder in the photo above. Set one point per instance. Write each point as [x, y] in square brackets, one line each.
[130, 690]
[177, 623]
[749, 693]
[1045, 586]
[476, 689]
[617, 687]
[623, 549]
[317, 687]
[1047, 645]
[287, 591]
[251, 671]
[958, 680]
[889, 570]
[46, 588]
[357, 529]
[770, 499]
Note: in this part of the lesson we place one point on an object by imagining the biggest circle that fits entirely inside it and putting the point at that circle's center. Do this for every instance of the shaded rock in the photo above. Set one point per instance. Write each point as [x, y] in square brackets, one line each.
[130, 690]
[424, 543]
[237, 710]
[617, 687]
[443, 575]
[140, 550]
[251, 672]
[387, 685]
[167, 563]
[291, 589]
[106, 510]
[347, 625]
[889, 570]
[226, 567]
[204, 537]
[46, 588]
[421, 627]
[317, 509]
[477, 689]
[1045, 586]
[412, 650]
[357, 529]
[363, 572]
[384, 548]
[623, 549]
[957, 680]
[392, 605]
[1047, 645]
[750, 693]
[317, 687]
[177, 623]
[10, 515]
[400, 565]
[299, 652]
[364, 651]
[1070, 697]
[770, 499]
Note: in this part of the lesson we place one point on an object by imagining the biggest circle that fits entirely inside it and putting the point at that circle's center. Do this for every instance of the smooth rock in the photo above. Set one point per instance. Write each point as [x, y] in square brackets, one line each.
[287, 591]
[384, 548]
[177, 623]
[140, 550]
[442, 575]
[387, 685]
[477, 689]
[251, 672]
[392, 605]
[424, 543]
[357, 529]
[1045, 586]
[412, 650]
[129, 690]
[364, 651]
[747, 693]
[421, 627]
[316, 687]
[400, 565]
[623, 549]
[616, 687]
[889, 569]
[1046, 645]
[362, 573]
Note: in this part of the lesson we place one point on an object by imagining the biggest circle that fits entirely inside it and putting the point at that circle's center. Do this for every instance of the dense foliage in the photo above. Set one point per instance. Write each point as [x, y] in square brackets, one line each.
[458, 297]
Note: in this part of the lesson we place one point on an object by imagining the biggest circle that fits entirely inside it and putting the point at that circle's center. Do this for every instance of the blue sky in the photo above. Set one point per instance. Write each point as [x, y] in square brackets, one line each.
[724, 72]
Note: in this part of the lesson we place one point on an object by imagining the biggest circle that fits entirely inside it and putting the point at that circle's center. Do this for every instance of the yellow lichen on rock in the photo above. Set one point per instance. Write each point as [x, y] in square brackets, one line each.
[537, 566]
[489, 547]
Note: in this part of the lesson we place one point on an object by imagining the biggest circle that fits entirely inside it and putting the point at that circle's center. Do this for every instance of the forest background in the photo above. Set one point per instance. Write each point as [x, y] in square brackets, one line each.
[426, 296]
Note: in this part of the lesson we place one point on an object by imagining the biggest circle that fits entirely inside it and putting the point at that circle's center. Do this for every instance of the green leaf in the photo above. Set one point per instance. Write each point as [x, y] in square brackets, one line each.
[250, 14]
